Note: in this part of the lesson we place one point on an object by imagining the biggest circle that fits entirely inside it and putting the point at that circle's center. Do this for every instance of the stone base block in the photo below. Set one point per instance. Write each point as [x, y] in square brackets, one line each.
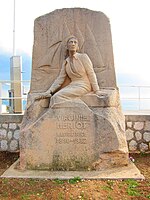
[126, 172]
[74, 137]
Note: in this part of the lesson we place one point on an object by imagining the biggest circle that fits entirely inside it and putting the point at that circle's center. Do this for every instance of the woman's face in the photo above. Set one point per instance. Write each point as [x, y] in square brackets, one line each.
[72, 44]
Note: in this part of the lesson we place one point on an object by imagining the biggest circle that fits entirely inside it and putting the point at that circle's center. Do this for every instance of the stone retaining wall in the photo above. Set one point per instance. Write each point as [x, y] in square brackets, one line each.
[137, 132]
[9, 132]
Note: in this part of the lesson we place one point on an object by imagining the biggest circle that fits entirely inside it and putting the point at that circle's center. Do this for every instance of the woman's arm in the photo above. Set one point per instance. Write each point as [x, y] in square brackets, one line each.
[59, 81]
[90, 72]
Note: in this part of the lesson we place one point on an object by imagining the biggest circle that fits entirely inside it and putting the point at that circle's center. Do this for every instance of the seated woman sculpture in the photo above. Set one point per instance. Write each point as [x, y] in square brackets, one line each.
[78, 67]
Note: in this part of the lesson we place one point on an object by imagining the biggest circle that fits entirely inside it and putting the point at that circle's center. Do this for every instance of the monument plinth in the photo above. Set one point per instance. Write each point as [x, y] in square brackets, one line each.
[73, 119]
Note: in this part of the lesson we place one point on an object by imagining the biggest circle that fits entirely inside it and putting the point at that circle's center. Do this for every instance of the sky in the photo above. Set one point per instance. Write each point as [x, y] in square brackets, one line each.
[130, 29]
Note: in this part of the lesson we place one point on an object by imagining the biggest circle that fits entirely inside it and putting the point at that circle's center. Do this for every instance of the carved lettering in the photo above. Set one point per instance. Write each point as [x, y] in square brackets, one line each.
[71, 125]
[73, 118]
[71, 140]
[71, 129]
[70, 134]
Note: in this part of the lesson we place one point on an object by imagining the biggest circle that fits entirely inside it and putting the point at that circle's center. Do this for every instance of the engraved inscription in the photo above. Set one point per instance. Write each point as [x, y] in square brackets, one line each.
[71, 129]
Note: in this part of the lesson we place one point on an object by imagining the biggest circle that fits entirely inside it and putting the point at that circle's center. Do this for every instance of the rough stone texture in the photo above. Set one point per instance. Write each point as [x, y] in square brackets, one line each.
[4, 145]
[143, 147]
[146, 136]
[138, 135]
[3, 133]
[17, 119]
[141, 137]
[147, 126]
[129, 134]
[16, 134]
[9, 135]
[93, 32]
[138, 126]
[86, 133]
[5, 126]
[14, 145]
[126, 172]
[74, 138]
[133, 145]
[12, 126]
[9, 130]
[129, 124]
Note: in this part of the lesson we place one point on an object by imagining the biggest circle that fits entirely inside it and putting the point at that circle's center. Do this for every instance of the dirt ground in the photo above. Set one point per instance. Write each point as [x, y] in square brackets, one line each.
[75, 189]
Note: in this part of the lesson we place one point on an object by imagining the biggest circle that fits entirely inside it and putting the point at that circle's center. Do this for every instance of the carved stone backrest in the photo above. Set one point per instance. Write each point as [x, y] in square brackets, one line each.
[50, 32]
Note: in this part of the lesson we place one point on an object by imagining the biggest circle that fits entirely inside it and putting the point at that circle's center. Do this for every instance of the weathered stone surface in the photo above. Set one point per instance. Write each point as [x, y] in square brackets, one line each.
[3, 133]
[143, 147]
[13, 145]
[129, 124]
[51, 31]
[138, 135]
[138, 126]
[9, 135]
[147, 126]
[133, 145]
[129, 134]
[12, 126]
[16, 134]
[146, 136]
[4, 145]
[74, 138]
[5, 126]
[86, 132]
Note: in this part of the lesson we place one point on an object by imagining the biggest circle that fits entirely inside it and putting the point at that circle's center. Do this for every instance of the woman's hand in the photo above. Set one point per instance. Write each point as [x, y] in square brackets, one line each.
[100, 93]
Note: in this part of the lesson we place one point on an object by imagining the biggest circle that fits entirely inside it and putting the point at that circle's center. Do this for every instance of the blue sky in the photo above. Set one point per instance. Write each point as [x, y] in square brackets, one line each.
[5, 66]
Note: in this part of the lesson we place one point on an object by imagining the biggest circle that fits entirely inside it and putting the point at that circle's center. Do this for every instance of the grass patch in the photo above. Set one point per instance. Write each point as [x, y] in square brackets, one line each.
[132, 187]
[75, 180]
[58, 181]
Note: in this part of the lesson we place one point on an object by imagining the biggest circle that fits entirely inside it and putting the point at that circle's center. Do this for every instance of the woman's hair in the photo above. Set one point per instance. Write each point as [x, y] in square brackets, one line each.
[67, 52]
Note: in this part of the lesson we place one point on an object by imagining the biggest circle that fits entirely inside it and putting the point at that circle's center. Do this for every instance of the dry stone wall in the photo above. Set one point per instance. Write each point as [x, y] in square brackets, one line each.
[137, 132]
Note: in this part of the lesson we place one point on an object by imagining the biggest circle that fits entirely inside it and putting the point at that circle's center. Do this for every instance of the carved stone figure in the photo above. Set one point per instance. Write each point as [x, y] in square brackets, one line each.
[78, 67]
[73, 119]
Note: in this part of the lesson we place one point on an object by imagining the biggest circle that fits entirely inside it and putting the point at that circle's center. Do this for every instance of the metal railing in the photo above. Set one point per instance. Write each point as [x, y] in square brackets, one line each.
[135, 97]
[132, 97]
[6, 99]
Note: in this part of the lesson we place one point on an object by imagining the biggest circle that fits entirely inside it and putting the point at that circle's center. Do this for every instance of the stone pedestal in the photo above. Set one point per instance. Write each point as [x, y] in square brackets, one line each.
[72, 136]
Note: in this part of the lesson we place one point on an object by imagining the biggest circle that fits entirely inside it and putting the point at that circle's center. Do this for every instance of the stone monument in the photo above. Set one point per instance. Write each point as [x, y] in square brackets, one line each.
[73, 119]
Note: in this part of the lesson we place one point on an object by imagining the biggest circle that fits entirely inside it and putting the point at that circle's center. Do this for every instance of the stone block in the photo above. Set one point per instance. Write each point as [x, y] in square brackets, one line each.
[9, 135]
[133, 145]
[74, 137]
[143, 147]
[147, 126]
[12, 126]
[129, 124]
[4, 145]
[138, 135]
[3, 133]
[13, 145]
[138, 126]
[5, 126]
[129, 134]
[16, 134]
[146, 136]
